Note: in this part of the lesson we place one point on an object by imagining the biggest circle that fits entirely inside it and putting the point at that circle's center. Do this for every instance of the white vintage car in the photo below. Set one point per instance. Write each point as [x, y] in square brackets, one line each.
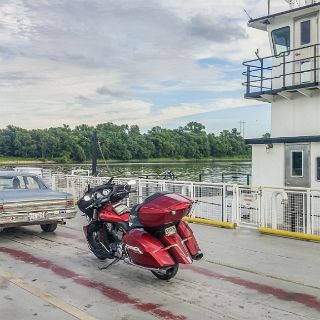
[25, 199]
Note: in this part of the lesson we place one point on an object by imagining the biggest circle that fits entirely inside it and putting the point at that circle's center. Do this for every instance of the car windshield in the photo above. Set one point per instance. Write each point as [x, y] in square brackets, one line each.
[21, 182]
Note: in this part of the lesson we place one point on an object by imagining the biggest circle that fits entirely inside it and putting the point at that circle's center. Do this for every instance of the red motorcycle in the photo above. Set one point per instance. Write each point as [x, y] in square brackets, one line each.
[152, 235]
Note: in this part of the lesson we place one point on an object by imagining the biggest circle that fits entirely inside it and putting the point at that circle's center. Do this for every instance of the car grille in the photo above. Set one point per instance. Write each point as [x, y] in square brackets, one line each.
[33, 206]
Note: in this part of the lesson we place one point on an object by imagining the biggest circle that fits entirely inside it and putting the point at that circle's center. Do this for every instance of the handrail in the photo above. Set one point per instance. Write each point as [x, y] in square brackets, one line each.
[283, 53]
[259, 71]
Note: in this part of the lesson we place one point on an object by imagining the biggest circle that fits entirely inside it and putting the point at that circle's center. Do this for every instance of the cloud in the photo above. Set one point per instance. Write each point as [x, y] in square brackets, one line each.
[217, 30]
[109, 92]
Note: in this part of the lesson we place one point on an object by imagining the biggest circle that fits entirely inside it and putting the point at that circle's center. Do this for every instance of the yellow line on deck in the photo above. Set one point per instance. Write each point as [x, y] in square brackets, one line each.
[228, 225]
[290, 234]
[45, 296]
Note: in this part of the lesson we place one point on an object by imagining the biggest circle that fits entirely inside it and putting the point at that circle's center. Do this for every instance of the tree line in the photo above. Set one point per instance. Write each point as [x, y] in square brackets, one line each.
[120, 142]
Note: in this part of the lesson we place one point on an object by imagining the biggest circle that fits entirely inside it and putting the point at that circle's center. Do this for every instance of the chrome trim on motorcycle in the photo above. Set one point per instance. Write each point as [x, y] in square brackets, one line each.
[176, 245]
[134, 249]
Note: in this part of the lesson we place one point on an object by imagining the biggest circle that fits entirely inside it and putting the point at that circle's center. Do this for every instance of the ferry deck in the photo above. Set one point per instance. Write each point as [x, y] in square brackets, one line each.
[243, 275]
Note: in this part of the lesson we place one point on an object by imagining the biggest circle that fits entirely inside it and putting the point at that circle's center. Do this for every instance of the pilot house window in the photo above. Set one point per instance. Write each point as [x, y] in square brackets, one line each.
[297, 164]
[305, 37]
[281, 40]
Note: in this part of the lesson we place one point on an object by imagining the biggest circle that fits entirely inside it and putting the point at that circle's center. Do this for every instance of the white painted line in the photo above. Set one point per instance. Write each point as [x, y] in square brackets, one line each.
[45, 296]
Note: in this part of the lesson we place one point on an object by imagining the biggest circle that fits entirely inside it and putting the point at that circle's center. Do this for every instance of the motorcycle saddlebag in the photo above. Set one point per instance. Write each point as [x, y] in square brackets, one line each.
[188, 238]
[145, 250]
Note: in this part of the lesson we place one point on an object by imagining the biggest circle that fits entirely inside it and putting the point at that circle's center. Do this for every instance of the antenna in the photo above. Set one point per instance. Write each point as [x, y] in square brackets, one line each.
[246, 12]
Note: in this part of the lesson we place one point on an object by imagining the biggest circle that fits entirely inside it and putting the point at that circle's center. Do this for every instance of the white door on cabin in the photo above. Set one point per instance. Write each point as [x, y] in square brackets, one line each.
[306, 48]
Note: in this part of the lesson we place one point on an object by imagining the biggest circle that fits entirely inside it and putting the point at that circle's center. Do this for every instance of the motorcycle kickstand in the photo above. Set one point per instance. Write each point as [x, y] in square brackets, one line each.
[110, 264]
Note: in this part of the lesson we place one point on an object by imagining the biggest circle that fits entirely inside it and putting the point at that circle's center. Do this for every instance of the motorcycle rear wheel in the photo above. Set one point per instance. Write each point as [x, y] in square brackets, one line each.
[171, 272]
[97, 248]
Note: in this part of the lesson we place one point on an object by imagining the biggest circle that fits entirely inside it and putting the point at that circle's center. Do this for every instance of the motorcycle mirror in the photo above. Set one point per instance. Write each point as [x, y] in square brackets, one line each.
[132, 182]
[110, 180]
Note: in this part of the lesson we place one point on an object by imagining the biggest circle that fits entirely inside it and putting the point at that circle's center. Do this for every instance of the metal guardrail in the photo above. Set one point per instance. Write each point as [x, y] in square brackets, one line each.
[288, 209]
[261, 78]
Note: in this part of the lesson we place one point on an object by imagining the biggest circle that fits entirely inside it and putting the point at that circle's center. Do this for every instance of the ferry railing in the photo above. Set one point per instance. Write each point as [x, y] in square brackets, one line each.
[263, 75]
[291, 209]
[212, 201]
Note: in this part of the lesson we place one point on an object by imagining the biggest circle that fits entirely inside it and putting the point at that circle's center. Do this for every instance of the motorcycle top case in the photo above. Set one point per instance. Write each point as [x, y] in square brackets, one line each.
[163, 208]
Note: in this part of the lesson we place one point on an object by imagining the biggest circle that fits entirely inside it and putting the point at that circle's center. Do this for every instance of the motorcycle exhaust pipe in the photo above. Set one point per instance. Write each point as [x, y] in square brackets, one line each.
[198, 256]
[130, 262]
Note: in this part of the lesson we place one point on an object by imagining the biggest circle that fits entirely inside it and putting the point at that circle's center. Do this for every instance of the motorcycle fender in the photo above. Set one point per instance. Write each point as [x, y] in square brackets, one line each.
[188, 238]
[146, 250]
[177, 248]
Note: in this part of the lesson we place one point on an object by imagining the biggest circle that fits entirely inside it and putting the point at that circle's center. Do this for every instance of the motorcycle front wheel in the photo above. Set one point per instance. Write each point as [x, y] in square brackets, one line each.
[170, 273]
[96, 246]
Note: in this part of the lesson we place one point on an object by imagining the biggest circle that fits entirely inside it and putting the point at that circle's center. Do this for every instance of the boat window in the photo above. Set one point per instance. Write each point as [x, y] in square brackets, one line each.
[297, 164]
[281, 40]
[318, 169]
[305, 33]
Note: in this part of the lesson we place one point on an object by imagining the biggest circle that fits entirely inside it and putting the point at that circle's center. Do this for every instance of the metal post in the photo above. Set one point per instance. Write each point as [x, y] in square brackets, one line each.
[248, 80]
[284, 71]
[139, 193]
[261, 75]
[308, 228]
[234, 209]
[224, 207]
[53, 182]
[268, 7]
[192, 193]
[67, 184]
[315, 64]
[94, 152]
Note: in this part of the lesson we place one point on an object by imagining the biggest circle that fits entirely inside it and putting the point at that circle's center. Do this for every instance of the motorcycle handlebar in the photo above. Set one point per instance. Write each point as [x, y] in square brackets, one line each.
[121, 194]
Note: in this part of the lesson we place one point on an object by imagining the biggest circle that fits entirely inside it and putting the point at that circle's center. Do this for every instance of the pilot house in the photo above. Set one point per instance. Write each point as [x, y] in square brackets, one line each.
[289, 80]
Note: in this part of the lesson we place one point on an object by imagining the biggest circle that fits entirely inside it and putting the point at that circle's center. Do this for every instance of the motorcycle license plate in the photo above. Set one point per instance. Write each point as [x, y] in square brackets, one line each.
[170, 231]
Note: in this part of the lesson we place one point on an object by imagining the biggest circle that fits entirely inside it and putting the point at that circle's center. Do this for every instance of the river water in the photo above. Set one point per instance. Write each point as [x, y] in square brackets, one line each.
[210, 171]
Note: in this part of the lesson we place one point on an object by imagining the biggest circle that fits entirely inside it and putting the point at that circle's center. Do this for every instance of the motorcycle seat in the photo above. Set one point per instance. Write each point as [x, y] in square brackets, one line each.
[134, 218]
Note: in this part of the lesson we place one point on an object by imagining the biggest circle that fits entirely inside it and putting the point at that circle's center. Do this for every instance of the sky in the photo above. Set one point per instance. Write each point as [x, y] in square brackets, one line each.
[145, 62]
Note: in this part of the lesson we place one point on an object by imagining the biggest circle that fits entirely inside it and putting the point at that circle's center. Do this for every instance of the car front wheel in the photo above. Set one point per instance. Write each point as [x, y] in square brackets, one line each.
[49, 227]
